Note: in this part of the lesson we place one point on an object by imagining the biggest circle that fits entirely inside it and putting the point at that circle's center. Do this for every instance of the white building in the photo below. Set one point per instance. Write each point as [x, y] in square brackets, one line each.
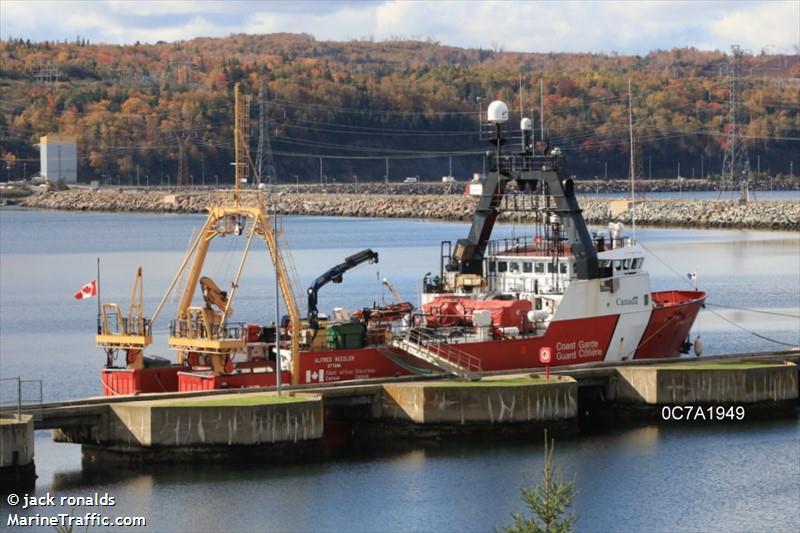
[59, 157]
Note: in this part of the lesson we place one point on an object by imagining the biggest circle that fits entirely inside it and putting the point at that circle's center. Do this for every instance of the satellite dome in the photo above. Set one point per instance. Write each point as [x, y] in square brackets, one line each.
[498, 112]
[525, 124]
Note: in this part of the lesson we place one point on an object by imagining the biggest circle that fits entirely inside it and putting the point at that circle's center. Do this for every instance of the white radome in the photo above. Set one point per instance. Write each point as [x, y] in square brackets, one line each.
[525, 124]
[498, 112]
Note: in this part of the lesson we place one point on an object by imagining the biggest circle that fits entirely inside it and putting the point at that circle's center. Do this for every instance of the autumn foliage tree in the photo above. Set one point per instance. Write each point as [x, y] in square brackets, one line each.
[130, 105]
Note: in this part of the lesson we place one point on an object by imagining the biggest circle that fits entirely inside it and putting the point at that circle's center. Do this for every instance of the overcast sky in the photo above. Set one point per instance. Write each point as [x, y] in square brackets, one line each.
[627, 27]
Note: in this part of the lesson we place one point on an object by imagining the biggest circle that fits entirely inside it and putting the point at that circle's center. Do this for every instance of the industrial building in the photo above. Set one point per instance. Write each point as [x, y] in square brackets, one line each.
[59, 157]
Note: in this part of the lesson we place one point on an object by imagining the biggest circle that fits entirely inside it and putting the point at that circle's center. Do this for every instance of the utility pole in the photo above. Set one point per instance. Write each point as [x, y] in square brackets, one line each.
[386, 175]
[265, 165]
[320, 171]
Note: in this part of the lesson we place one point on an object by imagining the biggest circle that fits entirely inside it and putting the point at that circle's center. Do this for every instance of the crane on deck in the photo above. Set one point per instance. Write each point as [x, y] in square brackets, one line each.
[130, 332]
[335, 275]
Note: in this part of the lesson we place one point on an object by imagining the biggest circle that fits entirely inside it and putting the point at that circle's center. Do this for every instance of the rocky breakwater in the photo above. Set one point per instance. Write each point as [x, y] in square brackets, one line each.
[778, 215]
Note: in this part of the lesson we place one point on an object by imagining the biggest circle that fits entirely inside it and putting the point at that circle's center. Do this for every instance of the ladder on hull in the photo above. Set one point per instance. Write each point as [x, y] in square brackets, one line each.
[440, 354]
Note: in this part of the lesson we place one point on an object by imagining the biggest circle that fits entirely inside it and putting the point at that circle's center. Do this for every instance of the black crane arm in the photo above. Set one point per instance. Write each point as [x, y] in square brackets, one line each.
[469, 253]
[335, 275]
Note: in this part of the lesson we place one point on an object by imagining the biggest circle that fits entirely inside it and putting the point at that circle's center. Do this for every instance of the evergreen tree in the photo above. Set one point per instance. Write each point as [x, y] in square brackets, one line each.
[549, 501]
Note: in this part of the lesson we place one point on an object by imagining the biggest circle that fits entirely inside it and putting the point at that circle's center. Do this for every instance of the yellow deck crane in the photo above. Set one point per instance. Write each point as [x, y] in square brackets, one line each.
[130, 332]
[206, 331]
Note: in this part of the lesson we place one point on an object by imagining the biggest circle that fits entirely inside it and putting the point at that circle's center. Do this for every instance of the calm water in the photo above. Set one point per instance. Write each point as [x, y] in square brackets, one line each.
[737, 477]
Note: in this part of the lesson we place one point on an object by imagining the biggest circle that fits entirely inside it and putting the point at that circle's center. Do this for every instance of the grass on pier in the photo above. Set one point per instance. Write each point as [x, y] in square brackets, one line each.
[236, 400]
[508, 382]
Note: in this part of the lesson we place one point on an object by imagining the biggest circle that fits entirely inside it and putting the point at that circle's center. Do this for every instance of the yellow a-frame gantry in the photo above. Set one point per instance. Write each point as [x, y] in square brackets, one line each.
[203, 330]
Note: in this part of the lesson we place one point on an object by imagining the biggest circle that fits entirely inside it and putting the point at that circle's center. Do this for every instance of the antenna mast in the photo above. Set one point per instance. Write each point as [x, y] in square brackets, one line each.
[241, 132]
[633, 190]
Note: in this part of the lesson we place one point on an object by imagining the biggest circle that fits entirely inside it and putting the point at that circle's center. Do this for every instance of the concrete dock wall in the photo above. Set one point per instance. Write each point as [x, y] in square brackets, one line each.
[161, 424]
[449, 403]
[17, 467]
[187, 424]
[660, 385]
[16, 441]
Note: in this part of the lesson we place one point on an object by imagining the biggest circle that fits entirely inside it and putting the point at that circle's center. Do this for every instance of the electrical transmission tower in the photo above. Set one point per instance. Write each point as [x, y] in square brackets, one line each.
[265, 166]
[182, 177]
[46, 74]
[735, 165]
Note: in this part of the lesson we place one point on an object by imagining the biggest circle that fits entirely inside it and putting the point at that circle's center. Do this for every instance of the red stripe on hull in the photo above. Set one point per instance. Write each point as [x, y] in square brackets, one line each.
[122, 381]
[669, 325]
[190, 381]
[344, 365]
[571, 341]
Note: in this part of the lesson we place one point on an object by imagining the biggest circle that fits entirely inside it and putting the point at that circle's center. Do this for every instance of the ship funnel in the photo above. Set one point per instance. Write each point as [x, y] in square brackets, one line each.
[498, 112]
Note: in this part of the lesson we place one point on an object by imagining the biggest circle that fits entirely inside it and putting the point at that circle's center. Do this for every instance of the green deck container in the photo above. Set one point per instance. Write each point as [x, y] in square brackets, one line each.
[347, 335]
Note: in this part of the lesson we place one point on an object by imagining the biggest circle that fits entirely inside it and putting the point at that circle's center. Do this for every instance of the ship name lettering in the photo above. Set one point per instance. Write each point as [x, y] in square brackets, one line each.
[628, 301]
[344, 358]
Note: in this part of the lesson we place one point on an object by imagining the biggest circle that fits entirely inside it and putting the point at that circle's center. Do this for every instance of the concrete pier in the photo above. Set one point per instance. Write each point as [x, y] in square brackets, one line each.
[641, 394]
[195, 428]
[17, 468]
[496, 401]
[488, 409]
[738, 383]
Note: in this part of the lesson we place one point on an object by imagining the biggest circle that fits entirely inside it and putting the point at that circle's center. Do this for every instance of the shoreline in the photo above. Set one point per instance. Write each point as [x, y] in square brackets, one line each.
[783, 215]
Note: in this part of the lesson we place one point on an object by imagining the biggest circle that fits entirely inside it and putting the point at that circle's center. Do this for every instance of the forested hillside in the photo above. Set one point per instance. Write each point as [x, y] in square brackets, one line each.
[356, 103]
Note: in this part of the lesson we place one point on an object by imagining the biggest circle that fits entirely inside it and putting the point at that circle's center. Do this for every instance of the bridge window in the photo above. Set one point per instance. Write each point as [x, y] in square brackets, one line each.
[637, 263]
[513, 267]
[617, 264]
[551, 268]
[562, 267]
[527, 267]
[502, 266]
[538, 304]
[492, 266]
[626, 264]
[539, 268]
[646, 299]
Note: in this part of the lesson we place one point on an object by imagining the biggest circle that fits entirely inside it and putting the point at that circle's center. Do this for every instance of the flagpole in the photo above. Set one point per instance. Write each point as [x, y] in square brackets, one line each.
[99, 308]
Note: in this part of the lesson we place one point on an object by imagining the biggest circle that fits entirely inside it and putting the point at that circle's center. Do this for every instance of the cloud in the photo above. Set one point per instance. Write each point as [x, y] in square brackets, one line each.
[571, 26]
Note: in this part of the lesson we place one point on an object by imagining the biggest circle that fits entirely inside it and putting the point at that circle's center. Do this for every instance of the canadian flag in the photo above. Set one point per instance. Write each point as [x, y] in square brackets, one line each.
[87, 291]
